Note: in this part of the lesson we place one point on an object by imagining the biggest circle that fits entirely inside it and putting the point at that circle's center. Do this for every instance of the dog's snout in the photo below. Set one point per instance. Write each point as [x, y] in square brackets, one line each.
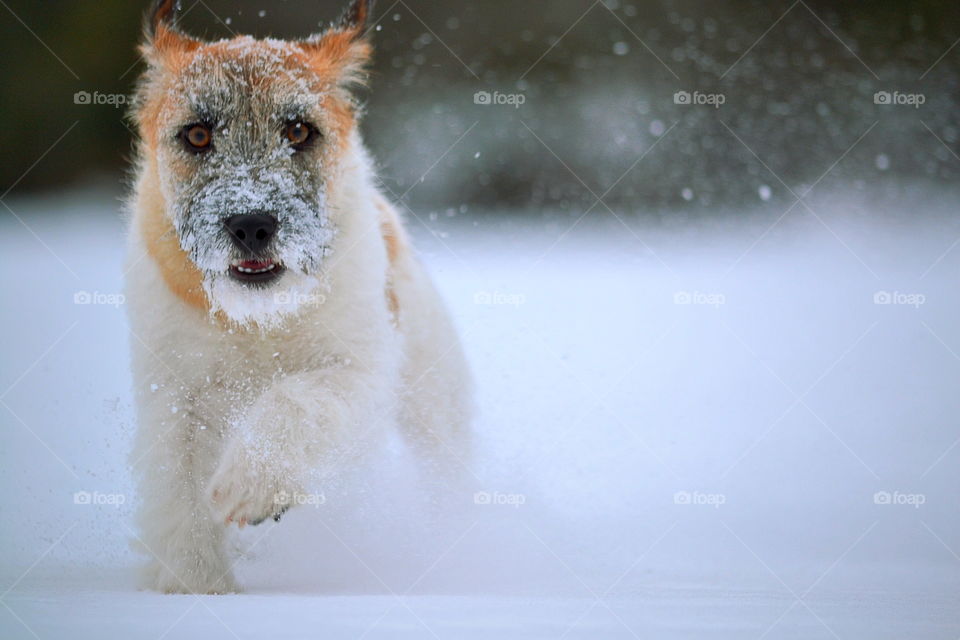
[251, 232]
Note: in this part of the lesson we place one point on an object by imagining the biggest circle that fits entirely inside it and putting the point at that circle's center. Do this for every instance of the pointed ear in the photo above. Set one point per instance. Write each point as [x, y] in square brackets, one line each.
[356, 17]
[161, 35]
[344, 50]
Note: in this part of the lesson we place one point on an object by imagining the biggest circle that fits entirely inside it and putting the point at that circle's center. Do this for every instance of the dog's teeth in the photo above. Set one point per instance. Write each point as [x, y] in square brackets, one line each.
[249, 270]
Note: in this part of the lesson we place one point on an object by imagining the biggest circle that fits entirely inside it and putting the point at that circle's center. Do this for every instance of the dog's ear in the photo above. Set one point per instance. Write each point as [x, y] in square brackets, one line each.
[161, 35]
[344, 50]
[356, 17]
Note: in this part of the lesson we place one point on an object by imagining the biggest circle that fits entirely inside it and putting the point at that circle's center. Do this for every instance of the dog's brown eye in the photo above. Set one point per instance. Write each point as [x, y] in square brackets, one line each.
[299, 133]
[198, 136]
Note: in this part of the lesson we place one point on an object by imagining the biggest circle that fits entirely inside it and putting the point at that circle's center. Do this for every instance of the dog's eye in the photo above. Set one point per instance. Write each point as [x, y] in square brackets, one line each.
[299, 134]
[198, 136]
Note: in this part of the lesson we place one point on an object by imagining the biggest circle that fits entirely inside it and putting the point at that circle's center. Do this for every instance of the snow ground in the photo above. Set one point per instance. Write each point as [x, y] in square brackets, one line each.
[783, 403]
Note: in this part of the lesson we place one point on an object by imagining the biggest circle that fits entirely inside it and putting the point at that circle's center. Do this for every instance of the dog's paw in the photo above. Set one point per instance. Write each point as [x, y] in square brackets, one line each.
[247, 490]
[198, 578]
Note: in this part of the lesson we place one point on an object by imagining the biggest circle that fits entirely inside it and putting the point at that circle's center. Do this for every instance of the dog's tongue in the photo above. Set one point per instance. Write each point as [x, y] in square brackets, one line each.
[255, 264]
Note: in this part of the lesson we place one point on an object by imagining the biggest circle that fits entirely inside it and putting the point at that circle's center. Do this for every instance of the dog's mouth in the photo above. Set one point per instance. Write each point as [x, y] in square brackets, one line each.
[255, 271]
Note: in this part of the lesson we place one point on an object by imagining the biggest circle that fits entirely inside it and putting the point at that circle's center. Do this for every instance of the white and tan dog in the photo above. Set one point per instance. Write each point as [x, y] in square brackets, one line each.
[279, 317]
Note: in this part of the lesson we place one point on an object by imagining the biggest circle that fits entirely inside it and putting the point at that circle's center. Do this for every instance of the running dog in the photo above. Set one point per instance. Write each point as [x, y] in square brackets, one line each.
[280, 320]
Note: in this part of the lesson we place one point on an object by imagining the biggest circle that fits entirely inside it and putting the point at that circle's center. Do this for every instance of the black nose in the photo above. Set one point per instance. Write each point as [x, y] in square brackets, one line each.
[251, 231]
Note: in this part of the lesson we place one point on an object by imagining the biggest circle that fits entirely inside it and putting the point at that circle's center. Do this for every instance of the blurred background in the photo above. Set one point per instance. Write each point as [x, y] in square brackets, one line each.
[586, 89]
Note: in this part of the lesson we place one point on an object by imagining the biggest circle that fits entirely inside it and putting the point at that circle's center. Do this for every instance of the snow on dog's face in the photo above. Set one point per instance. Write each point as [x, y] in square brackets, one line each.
[247, 136]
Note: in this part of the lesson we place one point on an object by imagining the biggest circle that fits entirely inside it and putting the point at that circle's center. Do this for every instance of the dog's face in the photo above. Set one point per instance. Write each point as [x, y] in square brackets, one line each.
[247, 137]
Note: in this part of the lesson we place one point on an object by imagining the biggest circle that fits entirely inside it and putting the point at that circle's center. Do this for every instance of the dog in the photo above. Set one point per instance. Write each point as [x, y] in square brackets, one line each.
[280, 320]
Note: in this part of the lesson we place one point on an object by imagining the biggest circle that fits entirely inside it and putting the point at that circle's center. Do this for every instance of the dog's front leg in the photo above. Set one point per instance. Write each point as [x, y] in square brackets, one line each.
[175, 453]
[303, 424]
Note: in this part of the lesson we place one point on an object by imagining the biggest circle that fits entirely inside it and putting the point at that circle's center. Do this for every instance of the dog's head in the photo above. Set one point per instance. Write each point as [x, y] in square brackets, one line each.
[247, 138]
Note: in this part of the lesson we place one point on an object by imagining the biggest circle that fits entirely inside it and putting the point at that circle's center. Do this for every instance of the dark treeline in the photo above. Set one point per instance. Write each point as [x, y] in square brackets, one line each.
[595, 100]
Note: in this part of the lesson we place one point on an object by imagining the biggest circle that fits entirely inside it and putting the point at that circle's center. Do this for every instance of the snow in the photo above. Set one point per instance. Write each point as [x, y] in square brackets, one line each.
[695, 426]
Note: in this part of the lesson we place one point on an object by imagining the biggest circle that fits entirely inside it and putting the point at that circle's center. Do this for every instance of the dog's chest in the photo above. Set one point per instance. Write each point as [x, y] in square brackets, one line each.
[256, 359]
[230, 369]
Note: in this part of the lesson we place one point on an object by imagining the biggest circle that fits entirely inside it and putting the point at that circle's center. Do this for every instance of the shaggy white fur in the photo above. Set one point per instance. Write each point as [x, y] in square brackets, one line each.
[254, 401]
[231, 418]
